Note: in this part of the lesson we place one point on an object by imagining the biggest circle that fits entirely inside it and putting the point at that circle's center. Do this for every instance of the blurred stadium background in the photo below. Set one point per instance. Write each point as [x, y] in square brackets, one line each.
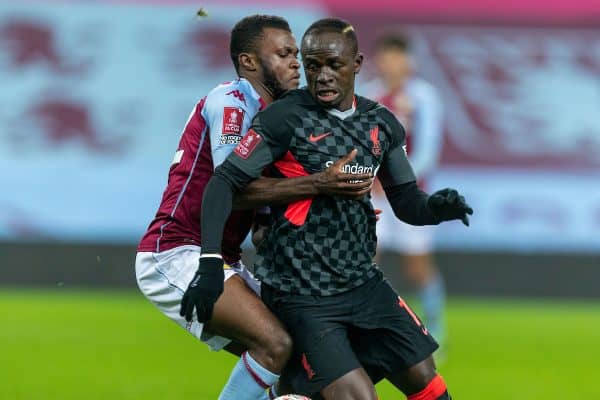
[93, 98]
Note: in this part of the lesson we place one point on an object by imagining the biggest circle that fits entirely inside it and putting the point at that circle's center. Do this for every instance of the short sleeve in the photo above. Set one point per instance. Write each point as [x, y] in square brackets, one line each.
[266, 141]
[227, 121]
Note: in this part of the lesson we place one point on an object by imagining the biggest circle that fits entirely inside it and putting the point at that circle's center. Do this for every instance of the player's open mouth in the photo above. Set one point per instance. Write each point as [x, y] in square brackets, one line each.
[327, 95]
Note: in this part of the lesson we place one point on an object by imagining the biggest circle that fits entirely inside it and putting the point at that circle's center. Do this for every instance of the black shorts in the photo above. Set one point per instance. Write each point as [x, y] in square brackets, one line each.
[369, 326]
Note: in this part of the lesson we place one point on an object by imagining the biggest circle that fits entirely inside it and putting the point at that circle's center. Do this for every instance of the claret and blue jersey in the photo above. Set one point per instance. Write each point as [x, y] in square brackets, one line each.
[214, 128]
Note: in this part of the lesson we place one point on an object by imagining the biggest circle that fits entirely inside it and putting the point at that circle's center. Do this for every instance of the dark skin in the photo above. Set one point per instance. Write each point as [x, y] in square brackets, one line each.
[274, 67]
[283, 191]
[331, 66]
[331, 63]
[239, 314]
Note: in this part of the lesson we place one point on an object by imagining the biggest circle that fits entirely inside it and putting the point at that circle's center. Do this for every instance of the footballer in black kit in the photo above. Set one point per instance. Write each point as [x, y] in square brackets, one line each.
[348, 325]
[324, 245]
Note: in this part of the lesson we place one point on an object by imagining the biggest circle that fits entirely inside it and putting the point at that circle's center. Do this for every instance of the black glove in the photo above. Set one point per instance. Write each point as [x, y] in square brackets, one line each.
[204, 289]
[447, 204]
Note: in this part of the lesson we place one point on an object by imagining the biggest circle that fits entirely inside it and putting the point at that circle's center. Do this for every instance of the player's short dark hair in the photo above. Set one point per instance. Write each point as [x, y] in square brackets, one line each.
[336, 25]
[246, 34]
[393, 41]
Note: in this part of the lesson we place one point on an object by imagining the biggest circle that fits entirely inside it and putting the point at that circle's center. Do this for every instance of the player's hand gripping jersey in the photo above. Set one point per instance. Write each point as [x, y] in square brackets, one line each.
[324, 245]
[215, 127]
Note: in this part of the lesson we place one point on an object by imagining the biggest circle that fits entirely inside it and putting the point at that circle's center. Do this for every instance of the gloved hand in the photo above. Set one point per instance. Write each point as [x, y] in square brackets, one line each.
[447, 204]
[204, 289]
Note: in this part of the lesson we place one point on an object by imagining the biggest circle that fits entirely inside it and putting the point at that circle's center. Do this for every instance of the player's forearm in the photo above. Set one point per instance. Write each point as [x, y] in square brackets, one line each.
[216, 207]
[410, 204]
[266, 191]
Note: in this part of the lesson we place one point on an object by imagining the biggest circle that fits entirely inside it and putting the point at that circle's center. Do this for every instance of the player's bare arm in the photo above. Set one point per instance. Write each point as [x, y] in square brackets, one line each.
[332, 181]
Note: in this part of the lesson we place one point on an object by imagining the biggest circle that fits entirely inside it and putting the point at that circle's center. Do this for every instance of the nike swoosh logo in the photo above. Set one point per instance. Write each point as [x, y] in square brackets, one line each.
[314, 138]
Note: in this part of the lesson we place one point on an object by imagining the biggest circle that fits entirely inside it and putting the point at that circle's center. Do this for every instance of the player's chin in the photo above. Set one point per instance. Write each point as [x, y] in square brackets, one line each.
[292, 84]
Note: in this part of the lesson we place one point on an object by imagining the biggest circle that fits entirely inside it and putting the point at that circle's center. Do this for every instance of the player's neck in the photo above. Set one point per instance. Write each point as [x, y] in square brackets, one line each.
[263, 91]
[347, 104]
[338, 112]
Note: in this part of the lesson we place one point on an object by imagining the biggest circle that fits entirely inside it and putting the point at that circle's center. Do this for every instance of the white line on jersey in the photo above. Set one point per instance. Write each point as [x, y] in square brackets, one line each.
[178, 157]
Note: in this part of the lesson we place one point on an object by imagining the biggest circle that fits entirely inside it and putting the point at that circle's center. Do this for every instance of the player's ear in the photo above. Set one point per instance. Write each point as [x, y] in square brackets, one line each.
[358, 61]
[247, 61]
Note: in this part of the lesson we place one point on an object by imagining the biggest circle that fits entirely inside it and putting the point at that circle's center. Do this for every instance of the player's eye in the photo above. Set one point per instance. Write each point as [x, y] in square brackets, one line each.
[287, 53]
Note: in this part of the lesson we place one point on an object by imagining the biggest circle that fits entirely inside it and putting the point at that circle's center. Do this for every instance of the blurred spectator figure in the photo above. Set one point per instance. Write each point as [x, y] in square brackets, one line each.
[416, 103]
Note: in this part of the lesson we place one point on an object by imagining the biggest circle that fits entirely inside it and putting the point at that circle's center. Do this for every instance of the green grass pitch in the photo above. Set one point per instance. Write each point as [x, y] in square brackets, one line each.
[114, 345]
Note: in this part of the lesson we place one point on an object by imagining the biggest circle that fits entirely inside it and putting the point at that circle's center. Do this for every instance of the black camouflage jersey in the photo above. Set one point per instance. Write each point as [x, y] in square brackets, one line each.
[323, 245]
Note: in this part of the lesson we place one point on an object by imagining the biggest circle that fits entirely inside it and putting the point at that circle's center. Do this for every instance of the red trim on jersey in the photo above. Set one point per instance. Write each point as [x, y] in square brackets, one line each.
[432, 391]
[403, 304]
[296, 212]
[254, 375]
[306, 365]
[262, 104]
[238, 95]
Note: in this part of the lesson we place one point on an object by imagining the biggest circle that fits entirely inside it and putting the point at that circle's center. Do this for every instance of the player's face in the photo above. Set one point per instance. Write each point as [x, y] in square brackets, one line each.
[278, 55]
[330, 66]
[393, 65]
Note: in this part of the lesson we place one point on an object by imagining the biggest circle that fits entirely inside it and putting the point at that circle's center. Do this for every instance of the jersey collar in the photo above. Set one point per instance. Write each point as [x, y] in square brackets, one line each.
[342, 114]
[254, 93]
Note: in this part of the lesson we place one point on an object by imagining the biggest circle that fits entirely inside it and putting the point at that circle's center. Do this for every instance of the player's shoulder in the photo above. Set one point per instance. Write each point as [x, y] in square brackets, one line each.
[236, 93]
[292, 101]
[288, 108]
[384, 117]
[366, 105]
